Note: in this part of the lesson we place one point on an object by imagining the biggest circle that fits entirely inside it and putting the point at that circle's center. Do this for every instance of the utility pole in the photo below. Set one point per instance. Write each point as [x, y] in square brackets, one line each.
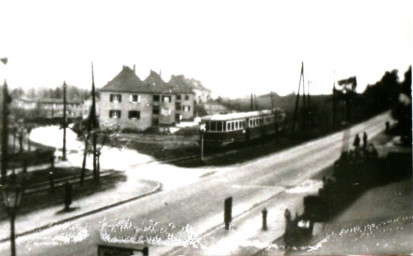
[334, 106]
[252, 103]
[94, 127]
[5, 133]
[64, 123]
[297, 100]
[272, 101]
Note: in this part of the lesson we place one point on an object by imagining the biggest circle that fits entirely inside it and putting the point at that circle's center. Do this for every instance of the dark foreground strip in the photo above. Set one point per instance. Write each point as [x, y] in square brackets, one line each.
[157, 189]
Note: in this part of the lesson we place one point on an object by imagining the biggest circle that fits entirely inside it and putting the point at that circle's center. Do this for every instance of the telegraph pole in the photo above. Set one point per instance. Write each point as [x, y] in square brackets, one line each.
[5, 133]
[297, 99]
[64, 123]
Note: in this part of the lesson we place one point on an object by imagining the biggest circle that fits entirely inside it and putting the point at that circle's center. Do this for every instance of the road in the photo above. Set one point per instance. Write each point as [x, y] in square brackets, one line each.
[180, 216]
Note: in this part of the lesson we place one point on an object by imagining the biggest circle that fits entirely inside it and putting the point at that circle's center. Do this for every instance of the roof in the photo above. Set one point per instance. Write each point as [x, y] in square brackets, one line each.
[128, 81]
[198, 85]
[125, 81]
[239, 115]
[180, 85]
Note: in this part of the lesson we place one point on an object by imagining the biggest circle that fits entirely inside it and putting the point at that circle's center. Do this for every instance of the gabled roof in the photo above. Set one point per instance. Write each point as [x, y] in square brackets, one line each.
[128, 81]
[154, 79]
[179, 84]
[125, 81]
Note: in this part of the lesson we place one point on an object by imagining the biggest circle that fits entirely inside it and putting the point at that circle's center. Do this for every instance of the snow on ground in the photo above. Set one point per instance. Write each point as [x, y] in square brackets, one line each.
[185, 124]
[135, 164]
[196, 121]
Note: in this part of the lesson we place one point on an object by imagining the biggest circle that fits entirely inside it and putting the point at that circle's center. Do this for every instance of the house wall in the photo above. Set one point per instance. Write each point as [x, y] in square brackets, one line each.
[144, 107]
[167, 119]
[186, 115]
[202, 96]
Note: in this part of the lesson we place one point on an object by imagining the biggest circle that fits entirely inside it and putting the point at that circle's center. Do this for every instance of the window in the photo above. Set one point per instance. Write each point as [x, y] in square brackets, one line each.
[228, 126]
[155, 110]
[134, 114]
[186, 97]
[115, 98]
[213, 126]
[155, 98]
[236, 125]
[178, 106]
[178, 97]
[134, 98]
[207, 126]
[187, 108]
[219, 127]
[166, 98]
[114, 113]
[166, 112]
[232, 126]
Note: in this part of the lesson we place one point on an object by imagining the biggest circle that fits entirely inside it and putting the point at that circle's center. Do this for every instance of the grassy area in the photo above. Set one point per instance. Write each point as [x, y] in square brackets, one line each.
[48, 197]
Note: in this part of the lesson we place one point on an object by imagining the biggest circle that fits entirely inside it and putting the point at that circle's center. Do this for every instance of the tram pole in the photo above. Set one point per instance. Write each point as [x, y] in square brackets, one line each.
[202, 129]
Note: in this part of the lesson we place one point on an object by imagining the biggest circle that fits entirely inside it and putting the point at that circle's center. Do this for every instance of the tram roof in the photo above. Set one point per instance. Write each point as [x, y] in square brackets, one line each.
[233, 116]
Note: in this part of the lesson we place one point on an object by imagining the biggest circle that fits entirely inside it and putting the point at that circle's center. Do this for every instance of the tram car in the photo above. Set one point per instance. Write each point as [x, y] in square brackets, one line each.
[225, 129]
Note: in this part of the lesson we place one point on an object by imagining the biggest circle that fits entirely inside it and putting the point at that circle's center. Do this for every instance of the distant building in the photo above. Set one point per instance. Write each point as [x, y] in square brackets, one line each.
[132, 103]
[202, 94]
[47, 108]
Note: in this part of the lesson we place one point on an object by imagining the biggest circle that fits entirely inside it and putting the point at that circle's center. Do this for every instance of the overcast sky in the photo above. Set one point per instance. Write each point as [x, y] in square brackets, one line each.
[233, 47]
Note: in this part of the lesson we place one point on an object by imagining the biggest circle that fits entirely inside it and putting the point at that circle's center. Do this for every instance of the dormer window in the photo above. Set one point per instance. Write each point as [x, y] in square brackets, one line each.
[115, 98]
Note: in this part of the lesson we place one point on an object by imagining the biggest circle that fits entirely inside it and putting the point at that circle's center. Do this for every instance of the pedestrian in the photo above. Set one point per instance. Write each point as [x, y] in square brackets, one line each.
[356, 142]
[387, 127]
[68, 195]
[364, 140]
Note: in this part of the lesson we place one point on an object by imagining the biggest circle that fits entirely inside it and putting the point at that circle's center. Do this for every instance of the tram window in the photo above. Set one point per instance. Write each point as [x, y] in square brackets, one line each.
[236, 125]
[213, 126]
[219, 127]
[228, 126]
[232, 126]
[207, 126]
[250, 123]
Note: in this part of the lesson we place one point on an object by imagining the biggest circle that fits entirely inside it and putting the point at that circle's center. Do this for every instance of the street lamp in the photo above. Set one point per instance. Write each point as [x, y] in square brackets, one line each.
[12, 194]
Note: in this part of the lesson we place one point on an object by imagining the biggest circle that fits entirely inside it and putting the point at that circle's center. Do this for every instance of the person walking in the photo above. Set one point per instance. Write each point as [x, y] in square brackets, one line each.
[68, 195]
[364, 140]
[356, 142]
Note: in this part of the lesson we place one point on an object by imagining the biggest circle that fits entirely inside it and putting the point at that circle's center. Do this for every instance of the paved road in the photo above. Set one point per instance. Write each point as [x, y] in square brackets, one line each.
[180, 216]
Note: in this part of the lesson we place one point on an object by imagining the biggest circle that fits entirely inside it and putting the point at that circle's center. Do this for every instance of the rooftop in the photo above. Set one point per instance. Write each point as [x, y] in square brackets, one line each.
[239, 115]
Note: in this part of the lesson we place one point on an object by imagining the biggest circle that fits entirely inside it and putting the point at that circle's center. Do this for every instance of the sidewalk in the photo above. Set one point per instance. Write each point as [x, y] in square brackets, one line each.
[131, 189]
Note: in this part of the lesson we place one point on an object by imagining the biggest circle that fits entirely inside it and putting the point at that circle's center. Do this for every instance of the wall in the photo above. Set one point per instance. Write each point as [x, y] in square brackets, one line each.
[186, 115]
[144, 106]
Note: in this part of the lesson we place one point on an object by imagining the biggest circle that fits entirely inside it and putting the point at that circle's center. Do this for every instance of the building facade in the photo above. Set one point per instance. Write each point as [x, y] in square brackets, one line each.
[131, 103]
[47, 108]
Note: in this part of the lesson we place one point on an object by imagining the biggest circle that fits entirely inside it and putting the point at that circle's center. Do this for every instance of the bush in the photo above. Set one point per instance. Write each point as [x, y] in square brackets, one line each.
[188, 131]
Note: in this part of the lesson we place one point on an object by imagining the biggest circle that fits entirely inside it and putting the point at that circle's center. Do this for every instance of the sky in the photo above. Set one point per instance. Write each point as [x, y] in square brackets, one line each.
[234, 47]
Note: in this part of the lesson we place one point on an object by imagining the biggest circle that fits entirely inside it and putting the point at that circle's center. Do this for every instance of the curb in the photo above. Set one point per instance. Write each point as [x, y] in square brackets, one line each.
[234, 219]
[41, 228]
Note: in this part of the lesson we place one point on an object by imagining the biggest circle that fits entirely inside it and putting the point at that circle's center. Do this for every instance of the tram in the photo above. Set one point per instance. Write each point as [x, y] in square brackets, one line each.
[225, 129]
